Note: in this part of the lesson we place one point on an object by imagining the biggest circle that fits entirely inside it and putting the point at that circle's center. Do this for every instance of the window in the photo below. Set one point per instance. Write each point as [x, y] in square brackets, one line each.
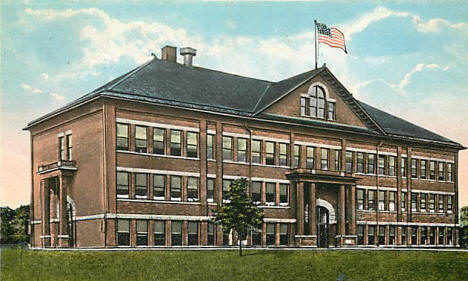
[382, 164]
[331, 111]
[283, 154]
[324, 159]
[349, 161]
[371, 163]
[431, 202]
[403, 201]
[210, 152]
[432, 175]
[61, 146]
[360, 235]
[270, 153]
[403, 235]
[270, 193]
[159, 233]
[270, 234]
[226, 188]
[192, 233]
[256, 192]
[422, 202]
[297, 155]
[360, 162]
[370, 235]
[440, 199]
[122, 184]
[284, 238]
[211, 234]
[414, 168]
[423, 235]
[176, 233]
[303, 106]
[176, 137]
[142, 233]
[414, 200]
[382, 201]
[210, 187]
[360, 199]
[423, 174]
[158, 141]
[256, 237]
[414, 235]
[449, 236]
[159, 187]
[140, 139]
[227, 148]
[256, 151]
[403, 166]
[123, 232]
[192, 144]
[122, 136]
[320, 102]
[69, 147]
[441, 176]
[391, 200]
[441, 236]
[391, 235]
[241, 150]
[337, 160]
[192, 189]
[391, 165]
[432, 235]
[284, 191]
[141, 185]
[176, 187]
[381, 235]
[371, 200]
[310, 157]
[449, 203]
[449, 172]
[313, 104]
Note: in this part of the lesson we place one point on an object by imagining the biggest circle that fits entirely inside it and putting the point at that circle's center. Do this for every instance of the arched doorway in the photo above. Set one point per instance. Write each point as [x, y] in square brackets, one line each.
[322, 227]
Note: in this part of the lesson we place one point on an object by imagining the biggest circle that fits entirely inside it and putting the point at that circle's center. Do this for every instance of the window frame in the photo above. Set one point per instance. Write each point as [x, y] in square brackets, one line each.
[121, 233]
[193, 194]
[349, 162]
[283, 154]
[270, 197]
[175, 147]
[210, 192]
[141, 144]
[210, 147]
[371, 163]
[158, 235]
[126, 138]
[256, 153]
[141, 236]
[176, 234]
[69, 146]
[155, 187]
[228, 152]
[324, 161]
[118, 185]
[270, 155]
[138, 186]
[159, 146]
[173, 189]
[284, 198]
[310, 157]
[190, 146]
[242, 152]
[360, 162]
[253, 195]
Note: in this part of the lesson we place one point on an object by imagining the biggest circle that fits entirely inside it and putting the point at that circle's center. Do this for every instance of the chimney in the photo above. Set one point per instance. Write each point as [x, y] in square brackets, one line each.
[169, 53]
[188, 54]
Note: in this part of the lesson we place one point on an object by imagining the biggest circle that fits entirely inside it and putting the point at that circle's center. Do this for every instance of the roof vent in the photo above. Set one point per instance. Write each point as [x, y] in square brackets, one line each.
[169, 53]
[188, 54]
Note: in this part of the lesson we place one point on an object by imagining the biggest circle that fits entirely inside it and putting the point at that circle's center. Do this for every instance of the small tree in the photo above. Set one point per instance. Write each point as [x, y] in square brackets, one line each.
[239, 214]
[464, 227]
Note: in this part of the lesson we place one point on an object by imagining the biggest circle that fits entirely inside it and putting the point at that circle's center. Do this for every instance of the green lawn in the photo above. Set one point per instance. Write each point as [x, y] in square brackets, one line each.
[227, 265]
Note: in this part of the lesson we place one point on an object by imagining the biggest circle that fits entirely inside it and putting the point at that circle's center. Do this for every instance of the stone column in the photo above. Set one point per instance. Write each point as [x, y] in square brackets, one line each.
[312, 211]
[342, 224]
[53, 201]
[63, 222]
[45, 214]
[300, 208]
[353, 210]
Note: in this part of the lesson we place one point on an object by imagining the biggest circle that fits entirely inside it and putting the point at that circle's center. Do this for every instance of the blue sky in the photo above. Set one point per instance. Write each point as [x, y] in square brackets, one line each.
[408, 58]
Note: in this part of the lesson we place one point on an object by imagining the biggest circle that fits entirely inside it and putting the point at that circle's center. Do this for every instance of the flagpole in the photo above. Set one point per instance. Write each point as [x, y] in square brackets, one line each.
[316, 45]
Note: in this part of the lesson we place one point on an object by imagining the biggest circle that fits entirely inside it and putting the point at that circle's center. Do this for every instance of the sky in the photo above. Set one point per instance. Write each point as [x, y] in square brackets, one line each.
[407, 58]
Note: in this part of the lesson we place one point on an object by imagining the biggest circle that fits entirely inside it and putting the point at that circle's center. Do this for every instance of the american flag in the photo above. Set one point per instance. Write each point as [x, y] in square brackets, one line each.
[333, 37]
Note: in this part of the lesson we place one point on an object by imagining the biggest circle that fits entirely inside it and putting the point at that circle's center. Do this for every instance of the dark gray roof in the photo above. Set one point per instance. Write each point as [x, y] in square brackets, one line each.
[165, 82]
[396, 126]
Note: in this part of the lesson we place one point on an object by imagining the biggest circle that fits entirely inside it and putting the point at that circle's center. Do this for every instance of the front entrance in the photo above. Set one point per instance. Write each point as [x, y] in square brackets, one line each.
[322, 227]
[71, 226]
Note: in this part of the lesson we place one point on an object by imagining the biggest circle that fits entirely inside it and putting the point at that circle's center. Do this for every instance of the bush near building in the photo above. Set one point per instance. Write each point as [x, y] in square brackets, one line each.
[15, 225]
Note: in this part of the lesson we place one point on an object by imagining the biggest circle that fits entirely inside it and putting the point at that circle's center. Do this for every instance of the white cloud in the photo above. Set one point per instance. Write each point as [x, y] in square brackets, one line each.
[32, 89]
[418, 68]
[380, 13]
[57, 96]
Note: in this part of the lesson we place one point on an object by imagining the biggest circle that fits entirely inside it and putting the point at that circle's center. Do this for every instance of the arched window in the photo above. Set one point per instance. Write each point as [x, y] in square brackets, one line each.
[317, 102]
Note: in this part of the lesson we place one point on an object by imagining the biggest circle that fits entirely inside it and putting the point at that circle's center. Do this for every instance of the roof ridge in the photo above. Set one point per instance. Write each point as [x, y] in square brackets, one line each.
[232, 74]
[261, 97]
[125, 77]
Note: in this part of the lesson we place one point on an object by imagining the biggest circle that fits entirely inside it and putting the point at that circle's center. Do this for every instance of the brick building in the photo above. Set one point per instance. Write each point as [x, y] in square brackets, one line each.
[145, 159]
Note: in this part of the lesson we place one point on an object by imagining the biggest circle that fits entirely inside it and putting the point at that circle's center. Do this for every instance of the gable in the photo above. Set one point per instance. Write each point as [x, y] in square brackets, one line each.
[290, 104]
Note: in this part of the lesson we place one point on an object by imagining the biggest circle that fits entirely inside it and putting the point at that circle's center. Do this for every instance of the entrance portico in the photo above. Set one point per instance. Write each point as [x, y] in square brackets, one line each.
[318, 195]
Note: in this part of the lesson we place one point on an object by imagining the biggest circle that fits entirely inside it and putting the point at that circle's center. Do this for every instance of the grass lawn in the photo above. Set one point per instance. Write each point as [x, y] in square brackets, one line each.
[22, 265]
